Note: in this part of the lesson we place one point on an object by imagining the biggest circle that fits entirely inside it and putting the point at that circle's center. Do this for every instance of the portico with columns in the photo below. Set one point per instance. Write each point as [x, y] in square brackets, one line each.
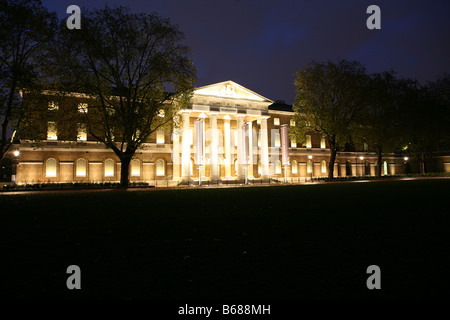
[224, 107]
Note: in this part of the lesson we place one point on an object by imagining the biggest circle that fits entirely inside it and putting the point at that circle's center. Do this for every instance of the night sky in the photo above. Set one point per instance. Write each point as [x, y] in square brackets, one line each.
[261, 44]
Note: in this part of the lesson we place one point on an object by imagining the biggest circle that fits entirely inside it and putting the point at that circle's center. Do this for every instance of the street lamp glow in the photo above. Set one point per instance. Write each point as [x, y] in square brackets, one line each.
[361, 158]
[310, 157]
[405, 158]
[16, 153]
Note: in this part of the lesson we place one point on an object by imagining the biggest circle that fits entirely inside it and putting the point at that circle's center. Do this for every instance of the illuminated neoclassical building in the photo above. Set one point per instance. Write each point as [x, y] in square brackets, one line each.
[171, 156]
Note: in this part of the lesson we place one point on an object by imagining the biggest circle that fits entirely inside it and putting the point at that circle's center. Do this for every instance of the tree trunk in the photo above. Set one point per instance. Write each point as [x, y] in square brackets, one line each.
[332, 161]
[125, 170]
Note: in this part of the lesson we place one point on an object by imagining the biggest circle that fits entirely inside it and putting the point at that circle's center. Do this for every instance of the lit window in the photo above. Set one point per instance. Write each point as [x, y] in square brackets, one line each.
[81, 168]
[277, 139]
[293, 142]
[308, 141]
[324, 166]
[50, 168]
[160, 169]
[82, 107]
[53, 105]
[294, 167]
[385, 168]
[160, 135]
[292, 122]
[277, 167]
[259, 167]
[322, 143]
[276, 121]
[82, 132]
[135, 168]
[309, 166]
[109, 168]
[52, 133]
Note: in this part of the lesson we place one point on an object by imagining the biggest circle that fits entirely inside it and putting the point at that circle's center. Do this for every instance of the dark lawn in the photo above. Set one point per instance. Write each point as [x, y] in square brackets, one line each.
[288, 242]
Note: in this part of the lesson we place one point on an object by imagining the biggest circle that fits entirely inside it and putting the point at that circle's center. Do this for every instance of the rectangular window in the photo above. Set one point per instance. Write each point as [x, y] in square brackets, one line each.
[293, 142]
[82, 132]
[160, 135]
[53, 105]
[292, 122]
[276, 121]
[308, 141]
[82, 107]
[322, 143]
[52, 133]
[277, 139]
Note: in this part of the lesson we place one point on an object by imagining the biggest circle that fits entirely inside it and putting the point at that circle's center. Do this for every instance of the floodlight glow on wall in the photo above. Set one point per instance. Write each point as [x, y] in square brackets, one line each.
[284, 145]
[285, 149]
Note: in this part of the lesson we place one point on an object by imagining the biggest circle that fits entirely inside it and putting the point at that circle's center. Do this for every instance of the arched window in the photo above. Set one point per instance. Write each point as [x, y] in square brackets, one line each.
[277, 167]
[323, 166]
[309, 166]
[50, 168]
[109, 168]
[160, 168]
[294, 167]
[135, 168]
[81, 168]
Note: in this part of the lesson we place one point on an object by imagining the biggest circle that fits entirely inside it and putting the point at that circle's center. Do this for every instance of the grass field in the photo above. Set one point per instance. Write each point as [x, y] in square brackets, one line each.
[283, 242]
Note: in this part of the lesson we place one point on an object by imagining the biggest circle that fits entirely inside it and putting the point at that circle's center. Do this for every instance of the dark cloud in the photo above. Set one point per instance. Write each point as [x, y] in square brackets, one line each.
[261, 44]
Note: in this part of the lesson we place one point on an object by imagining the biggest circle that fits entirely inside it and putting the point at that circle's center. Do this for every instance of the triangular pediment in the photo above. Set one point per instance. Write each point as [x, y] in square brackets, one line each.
[229, 89]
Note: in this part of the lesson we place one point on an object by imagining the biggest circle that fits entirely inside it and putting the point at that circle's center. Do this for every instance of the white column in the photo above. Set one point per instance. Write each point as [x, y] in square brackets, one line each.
[186, 152]
[250, 151]
[264, 147]
[240, 154]
[227, 134]
[214, 146]
[176, 154]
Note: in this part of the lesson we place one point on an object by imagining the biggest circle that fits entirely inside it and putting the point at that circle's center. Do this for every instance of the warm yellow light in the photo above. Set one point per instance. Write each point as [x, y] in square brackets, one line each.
[16, 153]
[202, 115]
[81, 168]
[308, 141]
[160, 136]
[227, 117]
[52, 133]
[405, 158]
[309, 157]
[361, 158]
[109, 168]
[135, 168]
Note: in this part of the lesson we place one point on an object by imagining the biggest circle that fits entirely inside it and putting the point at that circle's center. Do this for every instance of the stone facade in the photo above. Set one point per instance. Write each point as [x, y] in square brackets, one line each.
[171, 156]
